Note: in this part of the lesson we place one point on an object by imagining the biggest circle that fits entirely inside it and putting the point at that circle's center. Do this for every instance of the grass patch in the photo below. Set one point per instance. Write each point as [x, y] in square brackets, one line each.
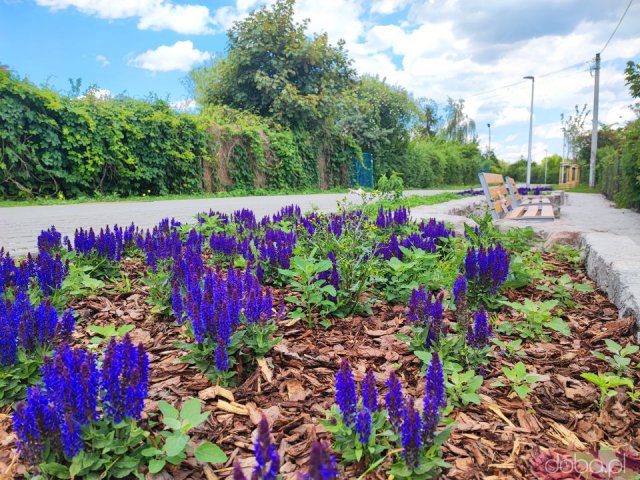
[426, 200]
[578, 189]
[413, 201]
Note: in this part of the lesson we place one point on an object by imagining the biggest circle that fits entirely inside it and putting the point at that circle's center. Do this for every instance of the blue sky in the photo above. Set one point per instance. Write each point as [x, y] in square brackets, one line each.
[435, 48]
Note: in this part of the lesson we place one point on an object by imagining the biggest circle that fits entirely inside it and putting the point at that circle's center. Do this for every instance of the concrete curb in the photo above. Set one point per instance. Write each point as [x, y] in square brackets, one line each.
[613, 262]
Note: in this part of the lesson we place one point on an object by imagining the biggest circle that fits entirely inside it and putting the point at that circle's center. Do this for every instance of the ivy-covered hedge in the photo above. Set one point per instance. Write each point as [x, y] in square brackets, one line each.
[54, 145]
[254, 152]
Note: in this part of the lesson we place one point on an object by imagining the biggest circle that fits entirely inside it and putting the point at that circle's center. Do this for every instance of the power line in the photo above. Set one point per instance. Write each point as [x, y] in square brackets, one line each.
[617, 26]
[548, 74]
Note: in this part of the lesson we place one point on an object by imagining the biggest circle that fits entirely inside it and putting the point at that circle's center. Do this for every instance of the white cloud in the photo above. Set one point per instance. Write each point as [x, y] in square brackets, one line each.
[387, 7]
[181, 56]
[97, 94]
[186, 105]
[152, 14]
[103, 60]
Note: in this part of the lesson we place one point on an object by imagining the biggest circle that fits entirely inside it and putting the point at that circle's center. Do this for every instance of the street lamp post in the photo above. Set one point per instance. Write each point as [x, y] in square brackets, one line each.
[529, 77]
[489, 127]
[546, 164]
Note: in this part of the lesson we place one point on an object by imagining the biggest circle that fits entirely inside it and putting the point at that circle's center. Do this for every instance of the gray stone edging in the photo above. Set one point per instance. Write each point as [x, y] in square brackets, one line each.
[613, 262]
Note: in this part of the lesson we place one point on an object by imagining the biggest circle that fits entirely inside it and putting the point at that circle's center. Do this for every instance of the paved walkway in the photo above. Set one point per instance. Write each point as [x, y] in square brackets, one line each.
[588, 213]
[20, 226]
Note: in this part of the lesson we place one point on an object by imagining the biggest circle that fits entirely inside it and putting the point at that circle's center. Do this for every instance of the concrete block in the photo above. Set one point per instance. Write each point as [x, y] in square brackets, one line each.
[613, 262]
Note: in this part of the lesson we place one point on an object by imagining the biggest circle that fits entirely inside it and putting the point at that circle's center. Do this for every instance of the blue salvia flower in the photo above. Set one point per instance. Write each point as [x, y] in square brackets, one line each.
[435, 380]
[471, 264]
[222, 358]
[434, 400]
[363, 425]
[33, 422]
[67, 323]
[411, 436]
[70, 379]
[322, 465]
[370, 392]
[8, 340]
[70, 435]
[237, 472]
[49, 240]
[346, 392]
[266, 453]
[478, 336]
[176, 303]
[459, 290]
[436, 326]
[394, 401]
[124, 379]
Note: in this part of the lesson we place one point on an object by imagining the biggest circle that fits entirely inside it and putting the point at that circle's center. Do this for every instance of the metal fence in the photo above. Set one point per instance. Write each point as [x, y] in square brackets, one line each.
[363, 171]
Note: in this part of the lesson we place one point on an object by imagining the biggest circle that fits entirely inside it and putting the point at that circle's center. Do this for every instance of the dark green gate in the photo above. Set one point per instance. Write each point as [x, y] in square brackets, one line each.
[363, 171]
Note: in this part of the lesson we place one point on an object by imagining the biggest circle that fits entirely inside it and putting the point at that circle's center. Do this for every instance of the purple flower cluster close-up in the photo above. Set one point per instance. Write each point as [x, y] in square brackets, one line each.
[73, 388]
[426, 310]
[488, 268]
[26, 326]
[416, 430]
[357, 416]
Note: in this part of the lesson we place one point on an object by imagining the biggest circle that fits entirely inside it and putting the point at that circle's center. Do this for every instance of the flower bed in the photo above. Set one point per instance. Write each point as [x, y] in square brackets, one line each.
[356, 344]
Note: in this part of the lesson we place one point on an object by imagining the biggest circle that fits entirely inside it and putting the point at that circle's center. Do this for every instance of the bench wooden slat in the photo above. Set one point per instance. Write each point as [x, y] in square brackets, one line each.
[493, 178]
[532, 212]
[547, 211]
[516, 213]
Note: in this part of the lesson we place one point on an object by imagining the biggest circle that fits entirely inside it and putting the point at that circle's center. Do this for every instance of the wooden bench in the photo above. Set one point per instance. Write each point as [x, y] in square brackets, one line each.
[502, 206]
[518, 199]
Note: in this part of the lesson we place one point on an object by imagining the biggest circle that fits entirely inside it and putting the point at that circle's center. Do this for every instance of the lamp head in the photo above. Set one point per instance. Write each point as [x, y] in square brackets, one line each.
[528, 77]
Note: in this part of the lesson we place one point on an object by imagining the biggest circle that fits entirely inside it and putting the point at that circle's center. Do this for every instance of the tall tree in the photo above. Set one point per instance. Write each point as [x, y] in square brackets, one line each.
[573, 129]
[274, 69]
[457, 126]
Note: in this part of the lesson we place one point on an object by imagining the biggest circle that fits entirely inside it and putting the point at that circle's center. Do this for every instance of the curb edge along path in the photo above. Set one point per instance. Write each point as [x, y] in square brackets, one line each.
[20, 226]
[610, 238]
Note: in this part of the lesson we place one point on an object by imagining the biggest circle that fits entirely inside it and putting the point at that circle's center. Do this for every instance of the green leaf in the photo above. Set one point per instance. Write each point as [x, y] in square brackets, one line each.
[156, 466]
[560, 326]
[208, 452]
[522, 390]
[191, 410]
[150, 452]
[55, 469]
[168, 410]
[175, 444]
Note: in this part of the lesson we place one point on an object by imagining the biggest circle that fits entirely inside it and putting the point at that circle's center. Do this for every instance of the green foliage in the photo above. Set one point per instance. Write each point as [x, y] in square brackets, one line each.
[562, 289]
[536, 317]
[106, 332]
[63, 146]
[346, 438]
[174, 446]
[392, 187]
[272, 68]
[619, 358]
[607, 383]
[111, 450]
[16, 379]
[313, 293]
[510, 348]
[632, 73]
[462, 387]
[517, 379]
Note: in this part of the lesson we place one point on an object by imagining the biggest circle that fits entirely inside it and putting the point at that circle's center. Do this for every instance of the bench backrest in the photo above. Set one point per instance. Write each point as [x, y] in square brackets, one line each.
[513, 189]
[495, 190]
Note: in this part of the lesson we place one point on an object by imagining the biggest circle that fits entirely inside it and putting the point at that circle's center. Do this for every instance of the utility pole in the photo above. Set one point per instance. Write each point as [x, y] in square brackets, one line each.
[594, 127]
[530, 131]
[489, 126]
[546, 164]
